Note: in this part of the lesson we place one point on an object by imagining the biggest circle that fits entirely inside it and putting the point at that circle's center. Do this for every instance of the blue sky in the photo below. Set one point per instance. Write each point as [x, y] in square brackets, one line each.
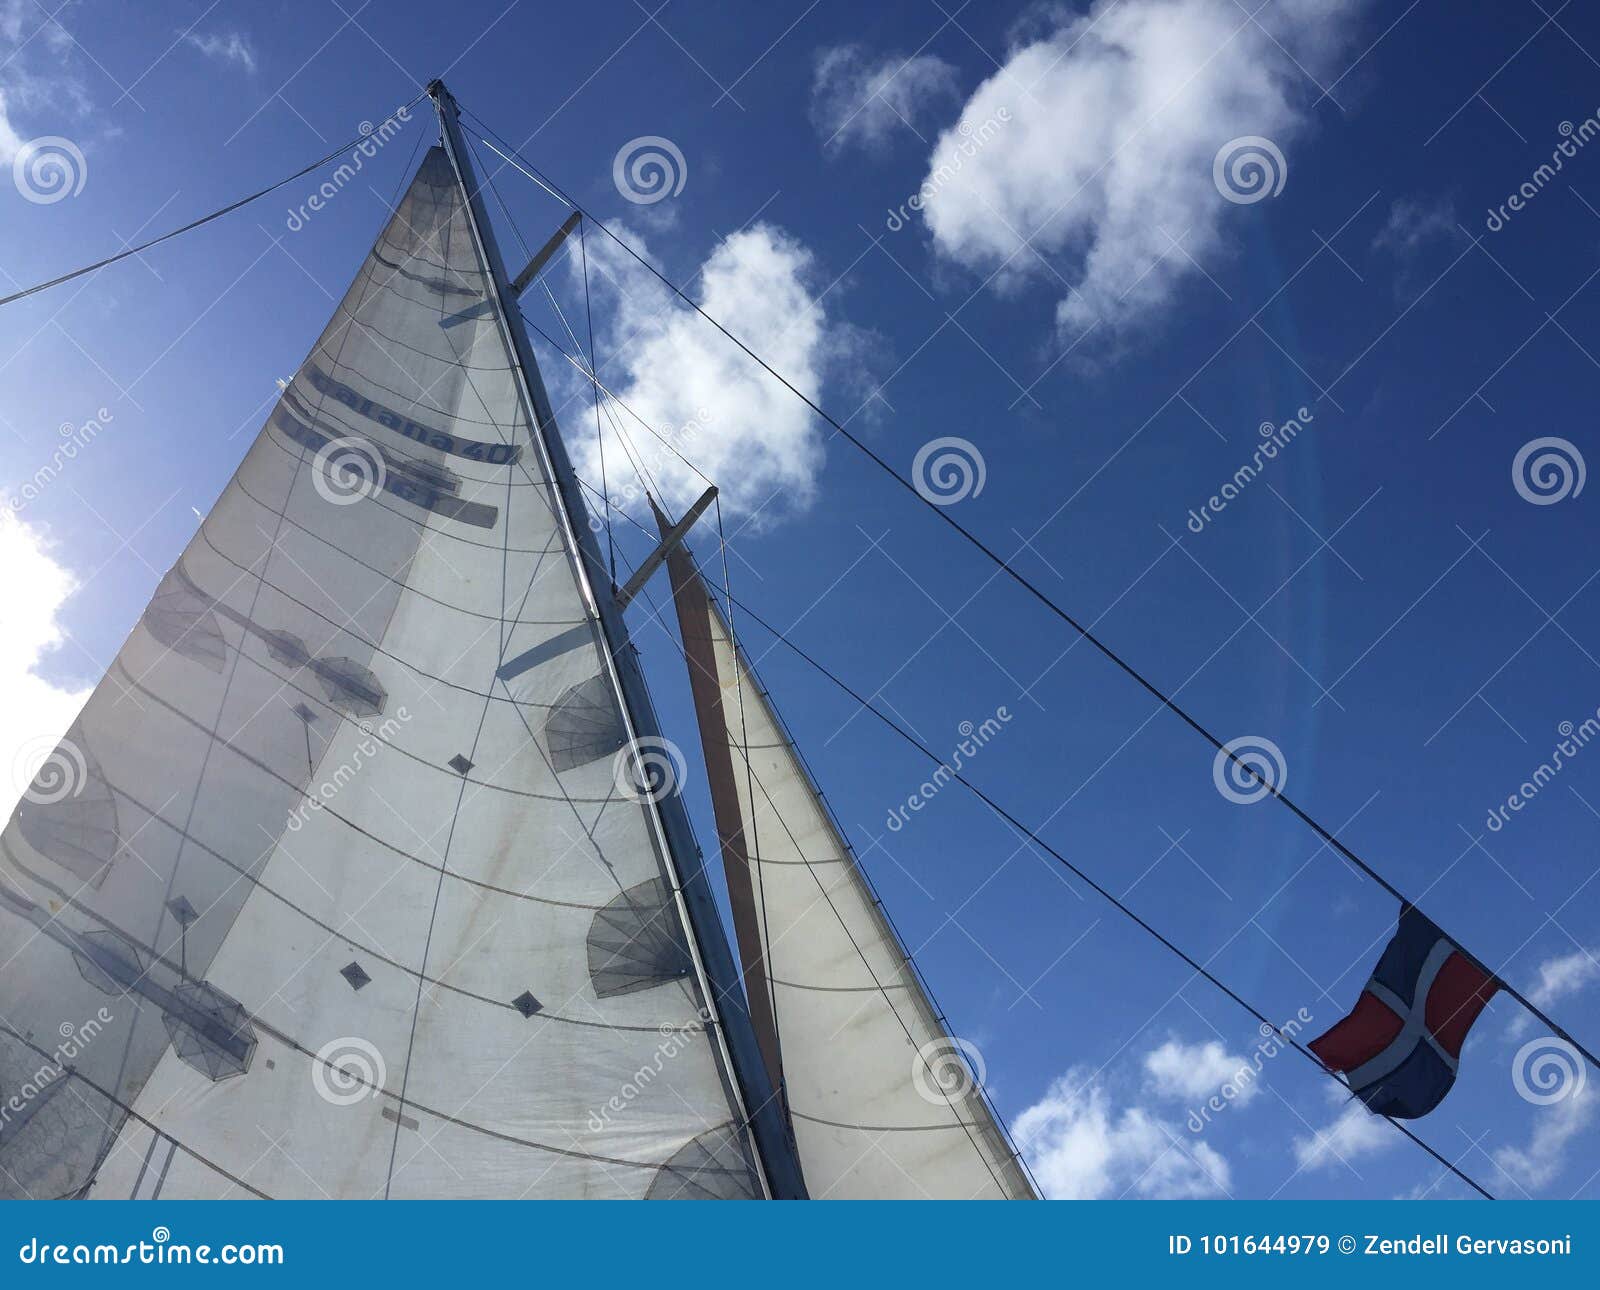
[1082, 303]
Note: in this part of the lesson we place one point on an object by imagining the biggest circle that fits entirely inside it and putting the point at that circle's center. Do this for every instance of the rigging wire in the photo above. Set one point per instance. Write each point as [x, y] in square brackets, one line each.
[206, 219]
[613, 397]
[594, 389]
[518, 162]
[630, 450]
[600, 443]
[1016, 825]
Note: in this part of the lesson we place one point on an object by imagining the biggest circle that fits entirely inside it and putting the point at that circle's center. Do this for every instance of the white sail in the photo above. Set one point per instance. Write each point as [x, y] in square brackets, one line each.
[334, 889]
[884, 1102]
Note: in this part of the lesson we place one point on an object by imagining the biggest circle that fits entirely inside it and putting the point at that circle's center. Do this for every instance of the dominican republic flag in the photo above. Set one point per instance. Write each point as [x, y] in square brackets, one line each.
[1400, 1045]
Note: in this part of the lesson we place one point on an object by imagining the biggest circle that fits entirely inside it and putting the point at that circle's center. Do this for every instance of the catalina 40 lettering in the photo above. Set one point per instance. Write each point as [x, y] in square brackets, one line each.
[496, 454]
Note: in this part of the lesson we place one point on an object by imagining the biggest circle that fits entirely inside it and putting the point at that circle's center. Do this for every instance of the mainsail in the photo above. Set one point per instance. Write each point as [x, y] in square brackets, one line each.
[884, 1102]
[341, 885]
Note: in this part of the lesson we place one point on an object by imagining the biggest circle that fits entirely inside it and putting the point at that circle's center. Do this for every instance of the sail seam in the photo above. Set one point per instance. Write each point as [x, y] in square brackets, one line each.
[134, 683]
[376, 954]
[405, 586]
[483, 715]
[378, 650]
[890, 1128]
[409, 519]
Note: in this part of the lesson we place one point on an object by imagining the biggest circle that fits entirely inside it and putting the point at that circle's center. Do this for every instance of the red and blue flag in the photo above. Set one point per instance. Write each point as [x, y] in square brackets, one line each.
[1400, 1046]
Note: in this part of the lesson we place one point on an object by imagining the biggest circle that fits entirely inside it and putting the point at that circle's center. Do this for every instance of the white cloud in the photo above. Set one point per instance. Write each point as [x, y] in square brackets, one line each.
[1413, 229]
[36, 711]
[1566, 975]
[1412, 223]
[1196, 1072]
[225, 47]
[23, 21]
[1354, 1132]
[759, 443]
[858, 100]
[36, 72]
[1559, 977]
[10, 141]
[1538, 1164]
[1106, 160]
[1080, 1146]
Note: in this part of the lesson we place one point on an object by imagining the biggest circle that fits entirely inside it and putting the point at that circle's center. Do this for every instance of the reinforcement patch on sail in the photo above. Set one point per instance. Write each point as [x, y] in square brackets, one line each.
[636, 941]
[68, 812]
[713, 1166]
[584, 725]
[260, 889]
[180, 618]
